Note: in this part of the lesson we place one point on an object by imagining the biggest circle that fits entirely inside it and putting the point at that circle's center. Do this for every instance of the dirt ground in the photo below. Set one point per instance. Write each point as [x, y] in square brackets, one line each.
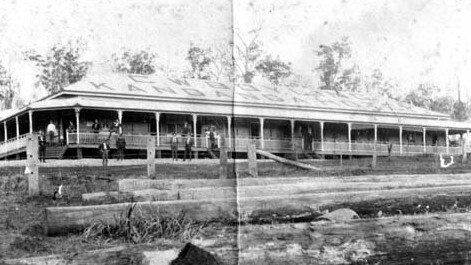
[21, 227]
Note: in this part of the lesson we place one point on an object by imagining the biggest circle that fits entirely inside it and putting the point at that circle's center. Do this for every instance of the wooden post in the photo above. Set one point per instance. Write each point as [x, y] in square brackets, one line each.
[447, 141]
[262, 137]
[349, 137]
[321, 123]
[157, 132]
[292, 132]
[252, 160]
[5, 129]
[32, 160]
[195, 137]
[17, 127]
[463, 150]
[424, 138]
[30, 116]
[375, 155]
[229, 130]
[222, 159]
[400, 139]
[151, 157]
[77, 122]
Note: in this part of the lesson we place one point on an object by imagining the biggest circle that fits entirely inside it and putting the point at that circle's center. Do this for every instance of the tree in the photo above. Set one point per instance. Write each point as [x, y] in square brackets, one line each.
[333, 58]
[443, 104]
[200, 60]
[273, 69]
[61, 66]
[135, 62]
[8, 87]
[351, 79]
[248, 52]
[222, 63]
[422, 96]
[460, 111]
[376, 83]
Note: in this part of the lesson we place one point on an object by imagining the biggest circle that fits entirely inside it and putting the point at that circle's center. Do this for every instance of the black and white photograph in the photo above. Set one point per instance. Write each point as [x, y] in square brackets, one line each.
[224, 132]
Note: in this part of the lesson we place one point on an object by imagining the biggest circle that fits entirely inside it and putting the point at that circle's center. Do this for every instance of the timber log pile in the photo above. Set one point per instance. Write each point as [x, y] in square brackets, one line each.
[222, 199]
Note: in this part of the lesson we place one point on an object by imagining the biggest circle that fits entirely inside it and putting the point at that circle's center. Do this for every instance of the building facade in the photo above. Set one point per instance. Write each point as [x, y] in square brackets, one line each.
[280, 120]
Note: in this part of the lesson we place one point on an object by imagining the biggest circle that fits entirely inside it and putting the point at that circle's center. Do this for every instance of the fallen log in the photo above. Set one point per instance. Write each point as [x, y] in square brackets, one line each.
[169, 184]
[64, 219]
[60, 220]
[172, 184]
[157, 195]
[111, 256]
[252, 191]
[420, 239]
[286, 161]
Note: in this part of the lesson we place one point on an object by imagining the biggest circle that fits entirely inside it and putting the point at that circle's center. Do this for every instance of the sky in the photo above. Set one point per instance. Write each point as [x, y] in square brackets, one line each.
[411, 41]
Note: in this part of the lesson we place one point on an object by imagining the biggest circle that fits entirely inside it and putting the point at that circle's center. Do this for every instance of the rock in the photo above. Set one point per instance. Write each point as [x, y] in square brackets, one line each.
[193, 255]
[340, 215]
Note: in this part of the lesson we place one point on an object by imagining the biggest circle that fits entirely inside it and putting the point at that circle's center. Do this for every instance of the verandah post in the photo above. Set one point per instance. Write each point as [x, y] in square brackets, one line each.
[77, 122]
[463, 149]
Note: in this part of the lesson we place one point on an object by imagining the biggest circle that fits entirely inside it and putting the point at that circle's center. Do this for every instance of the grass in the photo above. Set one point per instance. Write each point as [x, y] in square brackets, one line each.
[134, 227]
[14, 183]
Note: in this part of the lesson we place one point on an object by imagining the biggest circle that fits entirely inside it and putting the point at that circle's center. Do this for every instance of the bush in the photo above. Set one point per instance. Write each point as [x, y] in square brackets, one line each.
[138, 228]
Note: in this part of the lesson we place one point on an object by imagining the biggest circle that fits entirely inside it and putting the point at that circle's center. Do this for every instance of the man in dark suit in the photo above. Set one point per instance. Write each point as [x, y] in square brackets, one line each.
[42, 146]
[120, 146]
[104, 149]
[188, 145]
[174, 146]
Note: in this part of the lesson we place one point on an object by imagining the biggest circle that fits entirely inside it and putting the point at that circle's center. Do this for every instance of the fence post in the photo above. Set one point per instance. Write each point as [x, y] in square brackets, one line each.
[32, 149]
[151, 157]
[252, 160]
[222, 159]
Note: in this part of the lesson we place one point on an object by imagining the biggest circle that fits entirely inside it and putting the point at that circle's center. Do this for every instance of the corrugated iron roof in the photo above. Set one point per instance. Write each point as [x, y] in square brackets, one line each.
[194, 89]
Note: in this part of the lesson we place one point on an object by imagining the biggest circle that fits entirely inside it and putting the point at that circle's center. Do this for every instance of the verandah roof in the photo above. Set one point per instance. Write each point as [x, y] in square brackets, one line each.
[202, 108]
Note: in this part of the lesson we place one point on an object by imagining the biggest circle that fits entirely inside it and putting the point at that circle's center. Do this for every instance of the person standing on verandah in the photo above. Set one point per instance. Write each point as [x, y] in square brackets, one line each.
[96, 128]
[186, 129]
[51, 131]
[174, 146]
[42, 146]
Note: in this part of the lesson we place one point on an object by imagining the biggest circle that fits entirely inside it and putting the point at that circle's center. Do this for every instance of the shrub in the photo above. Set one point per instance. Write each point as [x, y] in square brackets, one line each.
[135, 227]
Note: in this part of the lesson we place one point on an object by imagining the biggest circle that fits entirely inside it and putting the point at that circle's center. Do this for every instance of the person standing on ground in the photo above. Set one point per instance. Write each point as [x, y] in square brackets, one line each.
[51, 131]
[42, 146]
[104, 149]
[188, 145]
[174, 146]
[120, 145]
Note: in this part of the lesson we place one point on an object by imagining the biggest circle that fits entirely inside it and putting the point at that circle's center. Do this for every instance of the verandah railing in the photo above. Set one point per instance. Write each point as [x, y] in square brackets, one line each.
[280, 145]
[13, 144]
